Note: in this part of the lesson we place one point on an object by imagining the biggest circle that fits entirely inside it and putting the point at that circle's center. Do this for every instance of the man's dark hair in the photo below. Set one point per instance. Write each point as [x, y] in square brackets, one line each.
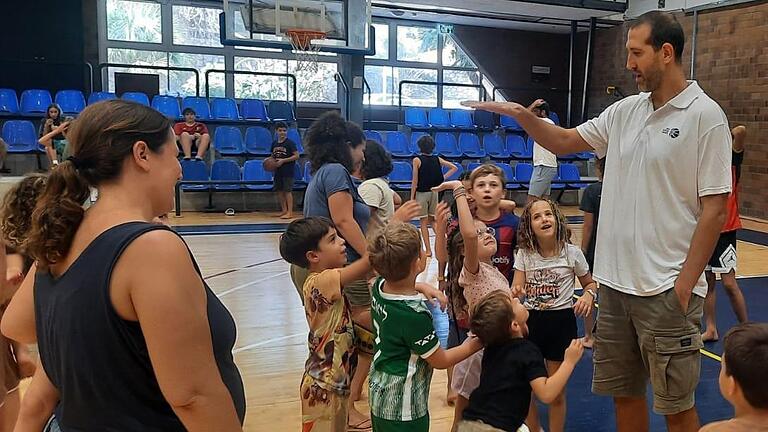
[544, 107]
[378, 163]
[188, 110]
[746, 357]
[302, 236]
[279, 125]
[426, 144]
[664, 29]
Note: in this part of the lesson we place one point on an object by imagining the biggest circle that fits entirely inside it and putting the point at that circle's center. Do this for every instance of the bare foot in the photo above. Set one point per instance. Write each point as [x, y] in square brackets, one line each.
[357, 421]
[588, 342]
[709, 336]
[286, 216]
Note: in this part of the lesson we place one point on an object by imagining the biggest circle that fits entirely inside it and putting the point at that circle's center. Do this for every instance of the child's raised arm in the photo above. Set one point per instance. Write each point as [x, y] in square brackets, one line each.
[355, 271]
[466, 224]
[441, 245]
[547, 389]
[443, 359]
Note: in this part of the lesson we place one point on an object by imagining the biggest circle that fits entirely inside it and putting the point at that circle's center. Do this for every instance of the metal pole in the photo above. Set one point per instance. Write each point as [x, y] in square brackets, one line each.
[693, 43]
[574, 28]
[587, 64]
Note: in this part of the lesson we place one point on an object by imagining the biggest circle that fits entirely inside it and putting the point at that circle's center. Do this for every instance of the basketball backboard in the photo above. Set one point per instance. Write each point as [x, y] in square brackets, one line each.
[263, 23]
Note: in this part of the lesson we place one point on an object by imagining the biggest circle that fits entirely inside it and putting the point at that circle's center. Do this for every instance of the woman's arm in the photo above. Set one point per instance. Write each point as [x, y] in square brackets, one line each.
[340, 205]
[19, 319]
[168, 299]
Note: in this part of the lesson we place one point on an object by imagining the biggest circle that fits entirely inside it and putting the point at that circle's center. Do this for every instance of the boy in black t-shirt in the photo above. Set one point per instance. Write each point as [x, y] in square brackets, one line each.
[590, 205]
[512, 367]
[286, 153]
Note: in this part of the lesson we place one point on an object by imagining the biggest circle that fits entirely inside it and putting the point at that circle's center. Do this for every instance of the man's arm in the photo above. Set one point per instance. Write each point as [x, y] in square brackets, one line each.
[586, 230]
[702, 244]
[550, 136]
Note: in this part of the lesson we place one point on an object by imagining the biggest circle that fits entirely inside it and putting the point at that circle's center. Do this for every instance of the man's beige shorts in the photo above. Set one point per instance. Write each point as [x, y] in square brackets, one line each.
[648, 337]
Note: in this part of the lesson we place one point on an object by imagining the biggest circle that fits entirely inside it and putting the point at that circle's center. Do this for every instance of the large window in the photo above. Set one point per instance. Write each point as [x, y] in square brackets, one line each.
[417, 44]
[134, 21]
[416, 94]
[196, 26]
[382, 41]
[183, 83]
[452, 96]
[138, 58]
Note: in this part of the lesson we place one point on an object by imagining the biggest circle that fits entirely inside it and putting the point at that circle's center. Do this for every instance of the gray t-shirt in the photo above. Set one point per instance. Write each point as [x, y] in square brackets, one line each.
[328, 180]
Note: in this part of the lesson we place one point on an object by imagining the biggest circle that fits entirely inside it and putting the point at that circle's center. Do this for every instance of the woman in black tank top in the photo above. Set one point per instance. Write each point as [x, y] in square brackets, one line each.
[130, 337]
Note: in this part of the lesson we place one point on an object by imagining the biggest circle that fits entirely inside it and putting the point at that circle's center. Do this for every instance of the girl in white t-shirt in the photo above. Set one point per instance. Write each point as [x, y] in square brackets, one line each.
[546, 268]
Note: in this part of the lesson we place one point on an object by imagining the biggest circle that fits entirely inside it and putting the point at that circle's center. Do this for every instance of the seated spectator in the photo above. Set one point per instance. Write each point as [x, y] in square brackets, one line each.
[286, 152]
[191, 133]
[742, 379]
[3, 156]
[51, 133]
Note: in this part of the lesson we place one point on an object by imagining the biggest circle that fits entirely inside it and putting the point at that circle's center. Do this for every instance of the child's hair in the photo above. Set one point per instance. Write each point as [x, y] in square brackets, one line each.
[281, 125]
[746, 354]
[378, 163]
[600, 164]
[18, 204]
[302, 236]
[492, 317]
[392, 250]
[455, 291]
[526, 239]
[188, 110]
[487, 169]
[465, 175]
[54, 105]
[426, 144]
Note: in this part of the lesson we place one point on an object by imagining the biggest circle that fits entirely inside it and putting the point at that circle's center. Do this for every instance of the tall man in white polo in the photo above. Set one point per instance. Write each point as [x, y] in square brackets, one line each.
[667, 179]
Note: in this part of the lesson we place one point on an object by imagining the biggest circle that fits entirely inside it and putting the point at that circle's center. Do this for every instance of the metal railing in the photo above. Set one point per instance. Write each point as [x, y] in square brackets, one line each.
[483, 95]
[238, 72]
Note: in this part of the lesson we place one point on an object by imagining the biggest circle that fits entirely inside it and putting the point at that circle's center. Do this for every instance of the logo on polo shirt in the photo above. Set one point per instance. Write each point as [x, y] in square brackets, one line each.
[672, 132]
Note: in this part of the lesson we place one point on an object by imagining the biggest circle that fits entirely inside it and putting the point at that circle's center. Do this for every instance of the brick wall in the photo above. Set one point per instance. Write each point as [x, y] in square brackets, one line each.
[731, 66]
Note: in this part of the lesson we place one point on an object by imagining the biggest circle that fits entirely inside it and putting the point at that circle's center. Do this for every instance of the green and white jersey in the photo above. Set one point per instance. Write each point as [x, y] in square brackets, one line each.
[400, 377]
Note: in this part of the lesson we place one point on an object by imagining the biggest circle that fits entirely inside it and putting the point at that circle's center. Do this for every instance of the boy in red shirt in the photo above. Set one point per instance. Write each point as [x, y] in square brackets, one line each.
[190, 133]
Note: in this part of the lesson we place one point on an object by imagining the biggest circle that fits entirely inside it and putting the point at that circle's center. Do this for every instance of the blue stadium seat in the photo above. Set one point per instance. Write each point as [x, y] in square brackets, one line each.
[416, 118]
[375, 136]
[494, 147]
[585, 155]
[413, 145]
[226, 170]
[469, 145]
[472, 165]
[510, 123]
[253, 170]
[517, 148]
[137, 97]
[258, 141]
[35, 101]
[446, 145]
[9, 103]
[281, 111]
[224, 109]
[307, 173]
[295, 136]
[484, 120]
[569, 173]
[455, 176]
[523, 173]
[509, 175]
[397, 145]
[70, 101]
[194, 170]
[167, 105]
[228, 141]
[199, 104]
[402, 174]
[100, 96]
[298, 176]
[439, 118]
[20, 136]
[461, 119]
[253, 109]
[554, 117]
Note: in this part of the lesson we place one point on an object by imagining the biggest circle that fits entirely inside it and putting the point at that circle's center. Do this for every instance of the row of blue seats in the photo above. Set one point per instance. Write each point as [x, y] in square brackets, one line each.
[21, 137]
[439, 118]
[36, 102]
[400, 179]
[468, 145]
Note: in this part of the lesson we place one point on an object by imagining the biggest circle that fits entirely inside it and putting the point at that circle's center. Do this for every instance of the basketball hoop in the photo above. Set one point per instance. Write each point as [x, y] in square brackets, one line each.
[306, 51]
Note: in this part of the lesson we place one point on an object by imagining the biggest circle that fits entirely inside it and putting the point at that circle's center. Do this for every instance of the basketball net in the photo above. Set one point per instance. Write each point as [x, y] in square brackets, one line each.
[306, 52]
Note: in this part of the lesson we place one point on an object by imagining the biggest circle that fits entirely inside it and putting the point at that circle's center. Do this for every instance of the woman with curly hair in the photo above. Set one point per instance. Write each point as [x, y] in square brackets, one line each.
[118, 344]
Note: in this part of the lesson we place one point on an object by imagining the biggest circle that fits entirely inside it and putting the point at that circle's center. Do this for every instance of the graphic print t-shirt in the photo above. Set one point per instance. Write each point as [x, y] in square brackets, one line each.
[549, 282]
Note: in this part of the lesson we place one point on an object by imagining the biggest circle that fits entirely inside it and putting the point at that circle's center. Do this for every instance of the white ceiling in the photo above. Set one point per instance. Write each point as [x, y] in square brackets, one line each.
[508, 14]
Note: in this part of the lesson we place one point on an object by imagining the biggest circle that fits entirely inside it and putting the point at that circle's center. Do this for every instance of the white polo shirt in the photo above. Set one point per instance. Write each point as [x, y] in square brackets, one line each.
[658, 164]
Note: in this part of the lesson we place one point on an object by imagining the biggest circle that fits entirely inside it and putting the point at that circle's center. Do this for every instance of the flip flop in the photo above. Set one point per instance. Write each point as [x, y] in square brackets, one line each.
[363, 426]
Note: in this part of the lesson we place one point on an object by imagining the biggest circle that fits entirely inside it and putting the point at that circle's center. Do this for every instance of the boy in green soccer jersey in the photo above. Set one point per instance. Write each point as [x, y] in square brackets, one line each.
[406, 347]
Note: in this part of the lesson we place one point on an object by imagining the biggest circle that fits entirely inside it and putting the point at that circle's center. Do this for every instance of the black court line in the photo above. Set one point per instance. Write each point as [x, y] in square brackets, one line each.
[752, 236]
[225, 272]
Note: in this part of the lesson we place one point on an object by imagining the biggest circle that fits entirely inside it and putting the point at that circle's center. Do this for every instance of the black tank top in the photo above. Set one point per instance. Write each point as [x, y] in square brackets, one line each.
[430, 173]
[98, 361]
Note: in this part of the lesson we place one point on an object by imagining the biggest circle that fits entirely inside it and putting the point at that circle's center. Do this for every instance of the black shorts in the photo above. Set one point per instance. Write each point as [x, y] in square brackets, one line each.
[283, 184]
[552, 331]
[724, 257]
[456, 334]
